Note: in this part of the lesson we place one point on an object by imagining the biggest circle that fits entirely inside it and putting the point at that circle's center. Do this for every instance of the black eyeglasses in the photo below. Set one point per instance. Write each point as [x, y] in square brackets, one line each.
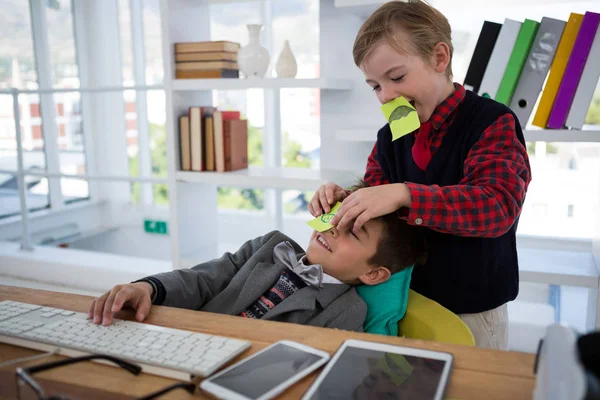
[28, 388]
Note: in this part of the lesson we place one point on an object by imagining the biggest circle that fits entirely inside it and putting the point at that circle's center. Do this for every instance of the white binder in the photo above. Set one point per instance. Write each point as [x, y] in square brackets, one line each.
[586, 87]
[536, 68]
[499, 58]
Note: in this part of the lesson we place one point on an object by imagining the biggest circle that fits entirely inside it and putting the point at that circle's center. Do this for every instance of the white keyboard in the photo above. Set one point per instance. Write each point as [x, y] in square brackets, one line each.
[174, 353]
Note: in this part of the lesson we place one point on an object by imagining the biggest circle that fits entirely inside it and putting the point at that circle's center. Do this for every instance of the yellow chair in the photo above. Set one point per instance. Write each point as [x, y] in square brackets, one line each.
[427, 320]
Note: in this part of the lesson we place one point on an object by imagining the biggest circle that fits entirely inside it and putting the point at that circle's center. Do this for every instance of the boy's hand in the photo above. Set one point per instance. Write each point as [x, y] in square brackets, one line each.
[327, 195]
[137, 296]
[372, 202]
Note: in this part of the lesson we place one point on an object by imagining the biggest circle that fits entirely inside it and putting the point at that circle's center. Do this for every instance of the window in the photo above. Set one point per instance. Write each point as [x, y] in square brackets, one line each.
[17, 70]
[144, 110]
[570, 211]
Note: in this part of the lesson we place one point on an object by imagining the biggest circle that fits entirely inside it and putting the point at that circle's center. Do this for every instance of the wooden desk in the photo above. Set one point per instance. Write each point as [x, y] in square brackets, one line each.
[477, 373]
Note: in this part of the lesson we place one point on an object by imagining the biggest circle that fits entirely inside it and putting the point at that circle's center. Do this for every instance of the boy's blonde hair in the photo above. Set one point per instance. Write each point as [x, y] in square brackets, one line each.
[424, 25]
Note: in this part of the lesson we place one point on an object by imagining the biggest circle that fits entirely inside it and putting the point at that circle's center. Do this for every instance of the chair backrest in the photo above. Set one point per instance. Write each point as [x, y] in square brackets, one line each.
[427, 320]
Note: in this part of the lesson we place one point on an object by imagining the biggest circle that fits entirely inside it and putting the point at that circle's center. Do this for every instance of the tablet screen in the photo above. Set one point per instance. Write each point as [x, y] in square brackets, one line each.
[371, 374]
[262, 373]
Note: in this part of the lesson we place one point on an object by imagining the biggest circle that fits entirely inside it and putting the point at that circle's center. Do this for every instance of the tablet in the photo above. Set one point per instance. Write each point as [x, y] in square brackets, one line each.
[267, 373]
[368, 370]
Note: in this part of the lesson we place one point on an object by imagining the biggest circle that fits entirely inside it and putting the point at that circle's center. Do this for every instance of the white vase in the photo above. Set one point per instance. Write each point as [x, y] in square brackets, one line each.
[286, 64]
[253, 59]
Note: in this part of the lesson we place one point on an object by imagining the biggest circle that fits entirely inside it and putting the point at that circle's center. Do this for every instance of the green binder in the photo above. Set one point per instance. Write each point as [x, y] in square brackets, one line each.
[516, 61]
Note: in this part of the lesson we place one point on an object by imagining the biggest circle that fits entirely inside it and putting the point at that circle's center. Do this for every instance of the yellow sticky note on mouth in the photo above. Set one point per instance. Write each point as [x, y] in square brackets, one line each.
[401, 116]
[321, 223]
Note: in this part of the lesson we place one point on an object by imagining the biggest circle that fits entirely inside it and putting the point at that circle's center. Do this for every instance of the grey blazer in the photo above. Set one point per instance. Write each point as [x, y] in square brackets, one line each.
[230, 284]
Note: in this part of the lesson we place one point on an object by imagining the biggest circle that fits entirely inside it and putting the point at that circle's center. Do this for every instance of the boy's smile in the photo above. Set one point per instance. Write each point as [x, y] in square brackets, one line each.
[344, 254]
[323, 242]
[392, 74]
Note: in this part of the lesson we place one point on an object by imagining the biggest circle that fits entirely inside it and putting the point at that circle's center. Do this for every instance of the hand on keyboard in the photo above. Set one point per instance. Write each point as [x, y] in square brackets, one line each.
[134, 295]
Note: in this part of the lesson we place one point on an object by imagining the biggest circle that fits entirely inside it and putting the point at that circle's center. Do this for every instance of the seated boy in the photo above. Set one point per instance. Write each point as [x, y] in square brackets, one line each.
[272, 278]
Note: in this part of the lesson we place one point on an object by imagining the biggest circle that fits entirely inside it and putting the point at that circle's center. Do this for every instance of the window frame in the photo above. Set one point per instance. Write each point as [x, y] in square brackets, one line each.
[46, 92]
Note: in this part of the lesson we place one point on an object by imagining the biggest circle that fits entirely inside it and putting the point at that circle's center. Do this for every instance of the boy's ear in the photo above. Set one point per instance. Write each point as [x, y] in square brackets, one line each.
[375, 276]
[441, 57]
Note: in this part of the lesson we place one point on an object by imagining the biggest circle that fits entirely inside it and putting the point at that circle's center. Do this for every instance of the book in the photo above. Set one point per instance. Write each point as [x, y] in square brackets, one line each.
[536, 68]
[481, 55]
[209, 147]
[516, 61]
[215, 74]
[236, 144]
[231, 115]
[557, 70]
[218, 141]
[207, 56]
[197, 47]
[184, 143]
[220, 119]
[196, 138]
[587, 86]
[568, 85]
[499, 58]
[205, 65]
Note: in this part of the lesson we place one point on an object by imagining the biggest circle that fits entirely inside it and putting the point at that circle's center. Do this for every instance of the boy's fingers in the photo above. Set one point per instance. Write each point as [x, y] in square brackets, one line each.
[91, 309]
[324, 203]
[143, 308]
[107, 314]
[348, 203]
[121, 298]
[329, 192]
[362, 219]
[315, 205]
[348, 217]
[99, 307]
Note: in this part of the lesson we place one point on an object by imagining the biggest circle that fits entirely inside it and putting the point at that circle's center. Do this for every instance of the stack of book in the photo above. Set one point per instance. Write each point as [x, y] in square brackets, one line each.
[212, 140]
[551, 63]
[202, 60]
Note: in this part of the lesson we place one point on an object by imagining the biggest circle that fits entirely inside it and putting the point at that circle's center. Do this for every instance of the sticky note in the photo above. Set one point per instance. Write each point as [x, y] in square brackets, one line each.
[401, 116]
[321, 223]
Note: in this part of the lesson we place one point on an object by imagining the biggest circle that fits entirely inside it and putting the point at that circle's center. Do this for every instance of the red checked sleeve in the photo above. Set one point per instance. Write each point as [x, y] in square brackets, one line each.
[373, 174]
[489, 198]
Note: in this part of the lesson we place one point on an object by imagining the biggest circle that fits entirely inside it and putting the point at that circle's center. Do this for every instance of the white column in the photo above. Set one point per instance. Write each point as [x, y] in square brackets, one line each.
[107, 110]
[86, 98]
[47, 107]
[272, 128]
[139, 72]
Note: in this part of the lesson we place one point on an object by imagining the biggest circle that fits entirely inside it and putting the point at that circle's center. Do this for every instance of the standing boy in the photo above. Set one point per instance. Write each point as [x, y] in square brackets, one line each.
[463, 174]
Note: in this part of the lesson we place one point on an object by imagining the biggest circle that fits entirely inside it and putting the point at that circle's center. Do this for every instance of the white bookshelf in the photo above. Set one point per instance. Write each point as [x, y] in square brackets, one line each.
[271, 178]
[193, 212]
[369, 134]
[182, 85]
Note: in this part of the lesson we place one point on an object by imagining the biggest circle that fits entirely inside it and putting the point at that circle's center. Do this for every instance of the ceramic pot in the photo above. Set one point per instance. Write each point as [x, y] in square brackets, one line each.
[286, 64]
[253, 59]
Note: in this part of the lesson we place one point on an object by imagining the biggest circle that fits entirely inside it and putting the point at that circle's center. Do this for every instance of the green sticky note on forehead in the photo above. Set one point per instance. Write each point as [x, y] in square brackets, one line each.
[321, 223]
[401, 116]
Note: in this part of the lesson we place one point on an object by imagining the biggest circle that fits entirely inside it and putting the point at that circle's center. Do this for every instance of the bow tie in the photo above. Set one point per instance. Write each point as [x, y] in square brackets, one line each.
[311, 274]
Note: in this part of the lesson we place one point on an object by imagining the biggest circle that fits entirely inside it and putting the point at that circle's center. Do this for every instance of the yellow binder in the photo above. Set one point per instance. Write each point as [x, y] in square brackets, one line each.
[557, 70]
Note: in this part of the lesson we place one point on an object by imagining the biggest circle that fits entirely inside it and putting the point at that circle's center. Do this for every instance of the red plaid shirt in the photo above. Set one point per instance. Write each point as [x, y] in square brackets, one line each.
[496, 177]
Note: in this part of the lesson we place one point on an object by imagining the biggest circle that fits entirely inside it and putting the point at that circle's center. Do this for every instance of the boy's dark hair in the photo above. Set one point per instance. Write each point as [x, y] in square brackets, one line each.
[401, 245]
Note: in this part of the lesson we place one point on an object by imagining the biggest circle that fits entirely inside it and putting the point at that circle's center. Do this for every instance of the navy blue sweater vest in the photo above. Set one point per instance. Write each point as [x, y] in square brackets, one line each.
[464, 274]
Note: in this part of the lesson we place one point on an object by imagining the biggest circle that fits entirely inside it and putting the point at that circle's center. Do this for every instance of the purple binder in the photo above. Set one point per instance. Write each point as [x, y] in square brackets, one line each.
[568, 85]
